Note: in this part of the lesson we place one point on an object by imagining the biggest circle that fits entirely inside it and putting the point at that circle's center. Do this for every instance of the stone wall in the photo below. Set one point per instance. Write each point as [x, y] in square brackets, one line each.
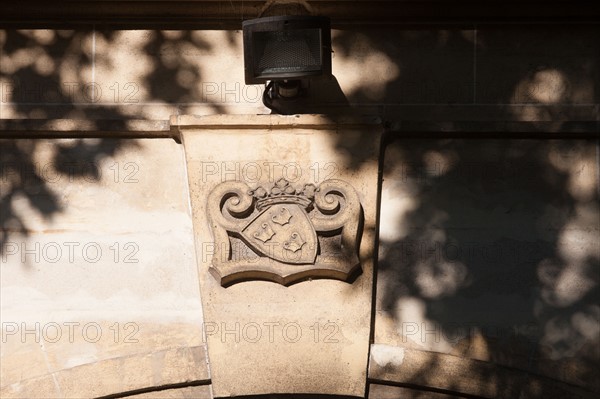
[488, 263]
[537, 73]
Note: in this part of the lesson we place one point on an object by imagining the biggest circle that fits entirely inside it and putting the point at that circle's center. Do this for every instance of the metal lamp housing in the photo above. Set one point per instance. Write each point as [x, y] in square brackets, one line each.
[286, 47]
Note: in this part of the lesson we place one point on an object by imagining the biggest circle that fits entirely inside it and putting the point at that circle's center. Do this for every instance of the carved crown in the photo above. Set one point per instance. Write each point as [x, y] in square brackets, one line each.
[283, 192]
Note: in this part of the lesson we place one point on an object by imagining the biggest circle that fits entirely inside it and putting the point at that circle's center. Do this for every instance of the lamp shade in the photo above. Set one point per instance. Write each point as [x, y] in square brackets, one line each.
[286, 47]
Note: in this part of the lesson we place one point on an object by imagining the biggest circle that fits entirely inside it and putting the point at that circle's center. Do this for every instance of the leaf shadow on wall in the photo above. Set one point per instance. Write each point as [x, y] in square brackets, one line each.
[488, 248]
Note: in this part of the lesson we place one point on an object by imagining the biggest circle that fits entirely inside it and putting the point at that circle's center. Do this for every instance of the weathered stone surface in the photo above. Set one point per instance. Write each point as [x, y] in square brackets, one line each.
[264, 337]
[98, 290]
[46, 73]
[425, 66]
[116, 375]
[195, 392]
[559, 67]
[523, 73]
[489, 250]
[459, 375]
[484, 256]
[380, 391]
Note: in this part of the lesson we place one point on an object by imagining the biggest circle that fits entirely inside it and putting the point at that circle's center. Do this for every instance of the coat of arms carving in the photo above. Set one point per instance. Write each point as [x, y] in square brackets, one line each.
[284, 234]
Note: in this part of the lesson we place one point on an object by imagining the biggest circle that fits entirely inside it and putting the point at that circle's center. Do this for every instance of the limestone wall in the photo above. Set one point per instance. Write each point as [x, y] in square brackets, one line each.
[99, 280]
[465, 73]
[486, 282]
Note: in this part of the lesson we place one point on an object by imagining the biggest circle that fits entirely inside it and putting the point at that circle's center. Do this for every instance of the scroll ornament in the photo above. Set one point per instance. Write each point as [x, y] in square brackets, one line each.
[284, 234]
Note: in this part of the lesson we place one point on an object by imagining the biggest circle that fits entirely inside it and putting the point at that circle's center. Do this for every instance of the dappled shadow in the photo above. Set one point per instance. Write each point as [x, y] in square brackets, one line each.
[43, 73]
[488, 248]
[494, 244]
[16, 162]
[27, 181]
[390, 66]
[176, 78]
[91, 76]
[492, 256]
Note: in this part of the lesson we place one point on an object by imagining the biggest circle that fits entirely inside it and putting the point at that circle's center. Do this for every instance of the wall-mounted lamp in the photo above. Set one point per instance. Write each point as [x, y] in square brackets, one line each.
[284, 51]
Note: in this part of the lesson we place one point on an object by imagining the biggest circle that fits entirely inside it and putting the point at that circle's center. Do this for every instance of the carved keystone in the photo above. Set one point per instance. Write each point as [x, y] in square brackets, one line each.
[284, 235]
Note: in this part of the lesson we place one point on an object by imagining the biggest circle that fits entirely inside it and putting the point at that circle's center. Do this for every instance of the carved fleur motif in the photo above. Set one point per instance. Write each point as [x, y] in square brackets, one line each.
[282, 217]
[294, 243]
[265, 233]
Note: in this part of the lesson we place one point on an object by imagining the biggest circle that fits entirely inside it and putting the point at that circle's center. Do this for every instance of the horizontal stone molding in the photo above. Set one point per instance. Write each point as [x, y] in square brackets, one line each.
[136, 129]
[444, 373]
[142, 372]
[272, 121]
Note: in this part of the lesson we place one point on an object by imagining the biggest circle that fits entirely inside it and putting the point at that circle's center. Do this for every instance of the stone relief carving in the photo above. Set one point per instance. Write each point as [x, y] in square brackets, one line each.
[284, 234]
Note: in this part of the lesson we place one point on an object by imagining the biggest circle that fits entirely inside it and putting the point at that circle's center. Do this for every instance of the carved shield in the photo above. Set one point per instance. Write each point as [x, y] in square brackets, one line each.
[283, 232]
